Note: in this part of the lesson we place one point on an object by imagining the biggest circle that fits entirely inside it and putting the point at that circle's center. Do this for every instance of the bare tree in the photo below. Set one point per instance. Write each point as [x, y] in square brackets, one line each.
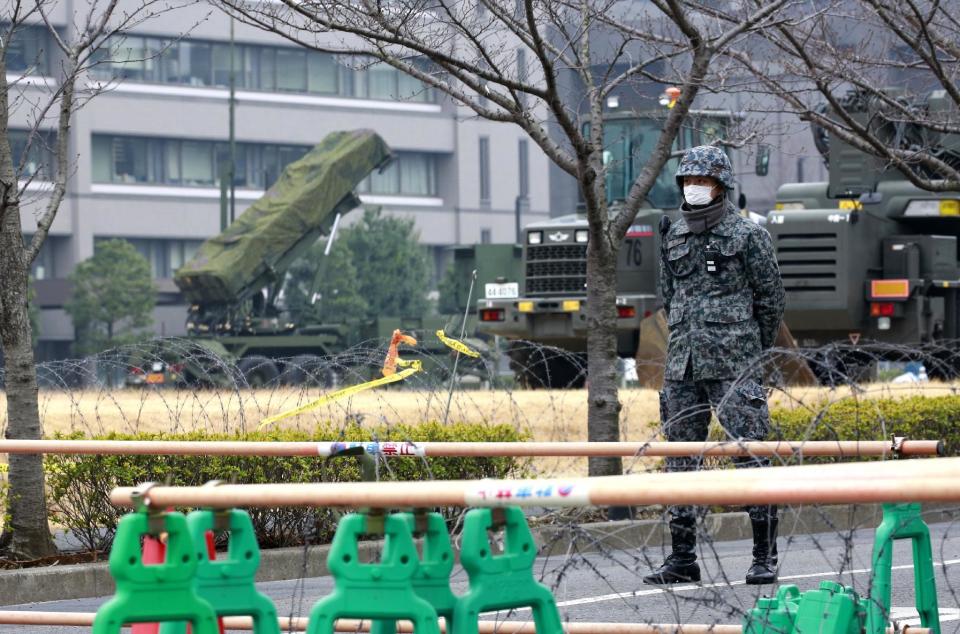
[466, 49]
[877, 75]
[47, 105]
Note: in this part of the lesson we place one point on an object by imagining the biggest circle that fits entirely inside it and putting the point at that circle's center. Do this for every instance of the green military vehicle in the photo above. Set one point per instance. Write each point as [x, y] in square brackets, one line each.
[238, 328]
[867, 256]
[546, 304]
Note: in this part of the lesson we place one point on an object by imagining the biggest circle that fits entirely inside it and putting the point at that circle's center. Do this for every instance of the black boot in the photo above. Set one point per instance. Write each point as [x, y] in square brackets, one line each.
[764, 568]
[681, 565]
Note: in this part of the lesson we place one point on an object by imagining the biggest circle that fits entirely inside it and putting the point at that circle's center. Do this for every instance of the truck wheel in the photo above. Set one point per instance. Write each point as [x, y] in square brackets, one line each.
[310, 371]
[257, 371]
[563, 371]
[834, 367]
[943, 363]
[517, 352]
[539, 367]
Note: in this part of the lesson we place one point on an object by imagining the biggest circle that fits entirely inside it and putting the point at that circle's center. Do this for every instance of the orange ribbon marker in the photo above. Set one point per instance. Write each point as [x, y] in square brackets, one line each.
[391, 362]
[389, 371]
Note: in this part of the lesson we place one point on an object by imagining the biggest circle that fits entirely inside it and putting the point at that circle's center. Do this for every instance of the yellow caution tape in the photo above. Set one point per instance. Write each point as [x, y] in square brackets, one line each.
[412, 367]
[457, 345]
[389, 371]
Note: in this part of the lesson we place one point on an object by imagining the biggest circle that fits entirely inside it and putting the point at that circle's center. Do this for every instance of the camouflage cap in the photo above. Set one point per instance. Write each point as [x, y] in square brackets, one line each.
[706, 160]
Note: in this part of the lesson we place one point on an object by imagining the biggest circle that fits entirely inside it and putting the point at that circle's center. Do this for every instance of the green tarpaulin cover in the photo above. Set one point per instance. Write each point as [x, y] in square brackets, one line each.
[301, 203]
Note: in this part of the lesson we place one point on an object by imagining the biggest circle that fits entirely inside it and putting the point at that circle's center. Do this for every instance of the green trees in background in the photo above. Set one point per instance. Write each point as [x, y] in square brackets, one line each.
[323, 288]
[376, 267]
[113, 297]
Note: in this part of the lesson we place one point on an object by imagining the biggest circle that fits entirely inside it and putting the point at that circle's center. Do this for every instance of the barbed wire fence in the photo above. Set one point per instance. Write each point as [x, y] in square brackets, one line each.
[176, 386]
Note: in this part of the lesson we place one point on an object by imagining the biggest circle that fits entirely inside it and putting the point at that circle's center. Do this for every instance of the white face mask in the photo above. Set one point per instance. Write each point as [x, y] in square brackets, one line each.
[698, 194]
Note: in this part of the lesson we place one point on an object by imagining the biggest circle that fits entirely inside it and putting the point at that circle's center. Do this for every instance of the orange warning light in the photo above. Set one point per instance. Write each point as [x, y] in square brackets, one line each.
[889, 289]
[670, 96]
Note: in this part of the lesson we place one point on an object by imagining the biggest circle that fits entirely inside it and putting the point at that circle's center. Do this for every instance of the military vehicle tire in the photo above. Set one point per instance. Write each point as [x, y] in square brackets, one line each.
[564, 372]
[258, 371]
[943, 362]
[835, 367]
[310, 371]
[541, 367]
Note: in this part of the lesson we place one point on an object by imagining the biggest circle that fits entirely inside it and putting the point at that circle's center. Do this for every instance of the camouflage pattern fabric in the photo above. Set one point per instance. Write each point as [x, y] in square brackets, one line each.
[706, 160]
[741, 407]
[724, 300]
[723, 297]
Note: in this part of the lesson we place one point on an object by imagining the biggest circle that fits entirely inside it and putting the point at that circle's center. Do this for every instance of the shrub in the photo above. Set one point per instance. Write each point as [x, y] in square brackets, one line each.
[79, 486]
[916, 417]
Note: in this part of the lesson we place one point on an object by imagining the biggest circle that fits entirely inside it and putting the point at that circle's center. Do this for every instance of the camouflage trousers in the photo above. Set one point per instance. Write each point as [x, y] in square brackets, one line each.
[741, 408]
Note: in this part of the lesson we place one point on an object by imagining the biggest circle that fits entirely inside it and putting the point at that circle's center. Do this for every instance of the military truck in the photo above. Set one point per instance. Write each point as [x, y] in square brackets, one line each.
[546, 304]
[867, 256]
[238, 327]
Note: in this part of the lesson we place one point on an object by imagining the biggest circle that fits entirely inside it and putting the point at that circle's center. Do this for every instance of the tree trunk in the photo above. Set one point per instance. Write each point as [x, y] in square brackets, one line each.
[27, 533]
[603, 409]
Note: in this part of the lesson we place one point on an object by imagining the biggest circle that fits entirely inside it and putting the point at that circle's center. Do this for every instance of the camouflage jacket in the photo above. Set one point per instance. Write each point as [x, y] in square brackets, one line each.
[719, 321]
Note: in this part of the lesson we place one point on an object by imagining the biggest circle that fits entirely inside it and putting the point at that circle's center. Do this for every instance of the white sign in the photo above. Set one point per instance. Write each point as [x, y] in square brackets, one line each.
[552, 493]
[510, 290]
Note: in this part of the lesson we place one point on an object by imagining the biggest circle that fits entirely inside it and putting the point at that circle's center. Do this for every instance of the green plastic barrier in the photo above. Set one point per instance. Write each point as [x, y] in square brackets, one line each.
[836, 609]
[902, 521]
[431, 581]
[830, 609]
[228, 583]
[503, 581]
[379, 591]
[154, 593]
[774, 615]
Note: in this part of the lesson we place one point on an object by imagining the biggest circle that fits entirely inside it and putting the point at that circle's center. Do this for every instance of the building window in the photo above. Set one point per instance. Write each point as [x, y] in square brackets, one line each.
[382, 81]
[410, 174]
[38, 159]
[412, 89]
[124, 159]
[522, 74]
[44, 267]
[485, 236]
[164, 256]
[193, 163]
[322, 73]
[255, 67]
[28, 50]
[484, 159]
[196, 163]
[523, 168]
[291, 70]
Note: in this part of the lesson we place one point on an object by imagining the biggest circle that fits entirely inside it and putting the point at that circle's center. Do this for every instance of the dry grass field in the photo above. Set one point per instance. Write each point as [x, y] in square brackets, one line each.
[544, 414]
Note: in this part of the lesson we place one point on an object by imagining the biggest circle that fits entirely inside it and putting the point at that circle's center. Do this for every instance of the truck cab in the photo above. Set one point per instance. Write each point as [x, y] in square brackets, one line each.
[547, 305]
[868, 256]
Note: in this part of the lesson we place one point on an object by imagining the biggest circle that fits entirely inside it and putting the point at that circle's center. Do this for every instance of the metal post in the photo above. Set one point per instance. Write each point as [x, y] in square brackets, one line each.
[233, 140]
[224, 195]
[517, 209]
[463, 332]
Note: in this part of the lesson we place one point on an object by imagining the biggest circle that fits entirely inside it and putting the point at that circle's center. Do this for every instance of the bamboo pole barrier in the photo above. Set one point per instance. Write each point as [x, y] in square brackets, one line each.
[890, 481]
[844, 448]
[299, 624]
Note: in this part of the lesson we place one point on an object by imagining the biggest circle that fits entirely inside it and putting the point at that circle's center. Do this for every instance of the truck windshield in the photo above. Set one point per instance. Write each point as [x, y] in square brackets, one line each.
[627, 144]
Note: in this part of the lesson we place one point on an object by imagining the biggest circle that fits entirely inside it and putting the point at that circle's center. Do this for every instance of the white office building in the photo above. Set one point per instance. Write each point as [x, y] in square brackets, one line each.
[148, 151]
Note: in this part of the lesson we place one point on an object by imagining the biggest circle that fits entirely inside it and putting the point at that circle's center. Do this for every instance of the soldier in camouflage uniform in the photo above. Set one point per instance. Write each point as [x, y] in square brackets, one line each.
[724, 299]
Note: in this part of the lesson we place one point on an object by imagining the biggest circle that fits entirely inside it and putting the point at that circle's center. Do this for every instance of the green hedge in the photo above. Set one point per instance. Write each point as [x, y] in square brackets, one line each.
[79, 486]
[916, 417]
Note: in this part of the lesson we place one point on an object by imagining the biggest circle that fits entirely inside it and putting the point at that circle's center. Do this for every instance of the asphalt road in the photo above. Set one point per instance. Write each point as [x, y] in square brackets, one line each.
[607, 587]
